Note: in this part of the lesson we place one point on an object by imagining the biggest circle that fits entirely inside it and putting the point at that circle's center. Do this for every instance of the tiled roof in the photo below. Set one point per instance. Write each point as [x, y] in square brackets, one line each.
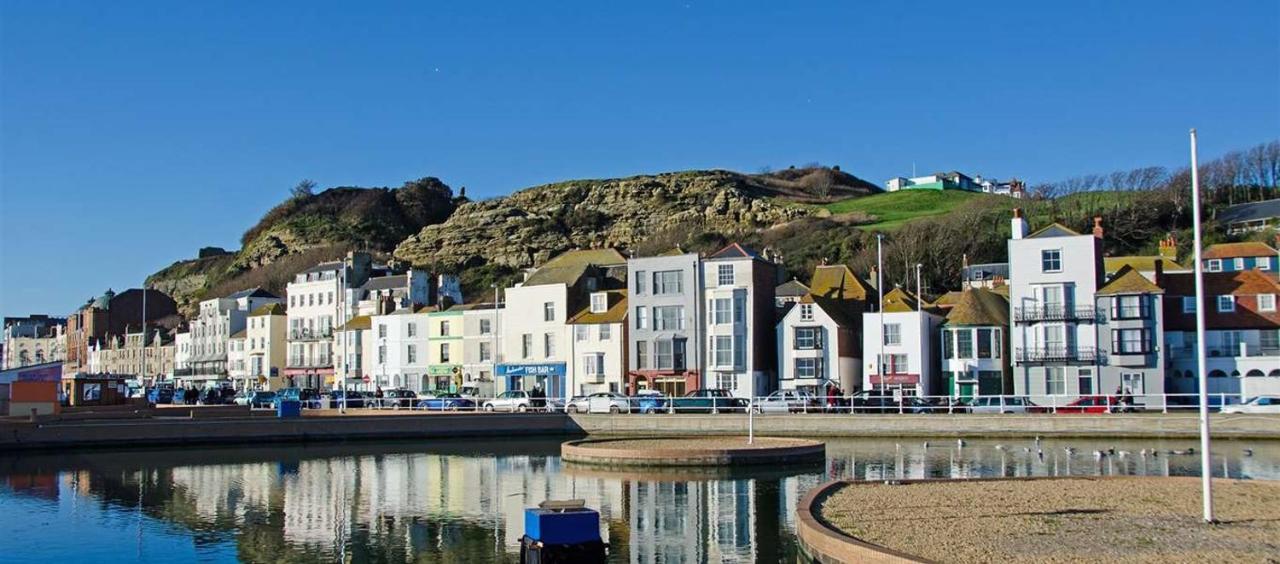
[568, 267]
[1240, 283]
[734, 250]
[1139, 263]
[1246, 285]
[616, 313]
[269, 309]
[1054, 230]
[948, 299]
[900, 301]
[357, 323]
[252, 293]
[790, 289]
[979, 306]
[1233, 250]
[837, 282]
[386, 282]
[1128, 280]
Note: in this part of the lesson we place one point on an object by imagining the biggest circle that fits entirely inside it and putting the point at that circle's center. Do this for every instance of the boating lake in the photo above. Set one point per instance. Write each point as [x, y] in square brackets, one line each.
[463, 500]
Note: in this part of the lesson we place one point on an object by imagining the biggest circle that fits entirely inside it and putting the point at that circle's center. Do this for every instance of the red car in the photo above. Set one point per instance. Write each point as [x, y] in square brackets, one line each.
[1095, 404]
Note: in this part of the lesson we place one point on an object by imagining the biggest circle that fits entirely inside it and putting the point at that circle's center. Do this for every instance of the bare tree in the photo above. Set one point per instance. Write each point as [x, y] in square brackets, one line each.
[303, 189]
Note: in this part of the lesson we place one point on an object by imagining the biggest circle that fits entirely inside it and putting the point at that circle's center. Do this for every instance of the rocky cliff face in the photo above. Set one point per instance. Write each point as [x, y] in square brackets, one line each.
[532, 225]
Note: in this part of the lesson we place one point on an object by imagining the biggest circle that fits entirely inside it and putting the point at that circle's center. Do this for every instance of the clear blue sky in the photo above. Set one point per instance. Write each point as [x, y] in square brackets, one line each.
[134, 133]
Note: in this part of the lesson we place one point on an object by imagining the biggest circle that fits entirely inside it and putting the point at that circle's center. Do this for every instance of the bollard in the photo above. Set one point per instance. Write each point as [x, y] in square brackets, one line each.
[33, 415]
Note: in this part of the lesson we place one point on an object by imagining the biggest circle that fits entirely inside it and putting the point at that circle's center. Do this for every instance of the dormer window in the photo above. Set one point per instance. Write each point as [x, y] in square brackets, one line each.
[599, 302]
[806, 312]
[592, 284]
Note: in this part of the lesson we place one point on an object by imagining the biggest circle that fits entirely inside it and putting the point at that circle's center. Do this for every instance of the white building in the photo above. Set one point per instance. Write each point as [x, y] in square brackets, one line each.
[320, 299]
[819, 338]
[181, 354]
[738, 298]
[480, 329]
[211, 331]
[600, 343]
[909, 358]
[400, 349]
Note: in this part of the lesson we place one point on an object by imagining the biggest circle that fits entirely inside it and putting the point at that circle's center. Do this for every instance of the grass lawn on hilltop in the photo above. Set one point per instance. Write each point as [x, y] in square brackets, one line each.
[892, 209]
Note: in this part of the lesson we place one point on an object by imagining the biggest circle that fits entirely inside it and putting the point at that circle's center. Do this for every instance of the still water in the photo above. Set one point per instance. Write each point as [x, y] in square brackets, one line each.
[462, 501]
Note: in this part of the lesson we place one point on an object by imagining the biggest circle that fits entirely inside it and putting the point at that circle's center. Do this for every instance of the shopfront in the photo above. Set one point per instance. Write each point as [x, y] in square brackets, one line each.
[548, 376]
[444, 377]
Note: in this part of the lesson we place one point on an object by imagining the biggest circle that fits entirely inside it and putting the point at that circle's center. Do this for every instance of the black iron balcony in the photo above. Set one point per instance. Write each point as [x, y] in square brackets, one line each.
[1056, 355]
[310, 334]
[1036, 314]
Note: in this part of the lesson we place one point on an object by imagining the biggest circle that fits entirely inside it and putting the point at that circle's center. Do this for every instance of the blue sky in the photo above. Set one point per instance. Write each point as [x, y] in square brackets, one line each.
[133, 134]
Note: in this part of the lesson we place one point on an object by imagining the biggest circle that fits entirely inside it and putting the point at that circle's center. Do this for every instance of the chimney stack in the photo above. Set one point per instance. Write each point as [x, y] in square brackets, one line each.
[1020, 227]
[1097, 226]
[1169, 248]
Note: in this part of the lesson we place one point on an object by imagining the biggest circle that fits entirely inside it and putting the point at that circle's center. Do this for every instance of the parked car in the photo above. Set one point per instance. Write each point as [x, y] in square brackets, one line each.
[599, 402]
[1259, 404]
[709, 401]
[446, 401]
[873, 401]
[787, 401]
[310, 398]
[160, 394]
[997, 404]
[648, 401]
[255, 398]
[217, 395]
[354, 399]
[511, 400]
[397, 399]
[1095, 404]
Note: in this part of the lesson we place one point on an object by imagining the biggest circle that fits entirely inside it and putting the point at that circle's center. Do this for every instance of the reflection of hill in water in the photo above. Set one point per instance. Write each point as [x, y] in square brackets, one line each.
[440, 500]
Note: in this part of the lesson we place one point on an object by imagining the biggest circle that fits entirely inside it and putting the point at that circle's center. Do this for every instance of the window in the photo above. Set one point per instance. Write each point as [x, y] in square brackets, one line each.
[1130, 341]
[1051, 260]
[486, 326]
[722, 350]
[411, 354]
[485, 352]
[727, 381]
[1054, 383]
[667, 282]
[1262, 263]
[678, 347]
[549, 311]
[606, 332]
[808, 338]
[806, 312]
[599, 302]
[1188, 305]
[722, 310]
[1226, 304]
[593, 364]
[739, 309]
[892, 334]
[1238, 263]
[581, 332]
[642, 317]
[549, 345]
[1213, 265]
[330, 297]
[1133, 383]
[668, 318]
[1231, 342]
[964, 343]
[382, 330]
[894, 363]
[724, 274]
[1051, 296]
[311, 299]
[642, 355]
[411, 330]
[808, 367]
[947, 350]
[640, 279]
[444, 352]
[1269, 340]
[665, 355]
[1084, 381]
[740, 350]
[1266, 302]
[1129, 307]
[444, 328]
[526, 345]
[1055, 338]
[382, 354]
[985, 344]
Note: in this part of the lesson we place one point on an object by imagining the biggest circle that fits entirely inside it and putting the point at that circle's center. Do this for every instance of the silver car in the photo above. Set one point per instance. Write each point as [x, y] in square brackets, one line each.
[998, 404]
[787, 401]
[514, 400]
[599, 402]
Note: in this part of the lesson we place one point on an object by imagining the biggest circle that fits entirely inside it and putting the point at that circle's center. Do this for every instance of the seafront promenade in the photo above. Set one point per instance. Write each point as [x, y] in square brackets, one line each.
[202, 426]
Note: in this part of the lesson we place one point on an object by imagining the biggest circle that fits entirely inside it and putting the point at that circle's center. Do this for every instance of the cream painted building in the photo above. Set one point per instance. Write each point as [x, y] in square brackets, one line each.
[266, 345]
[125, 356]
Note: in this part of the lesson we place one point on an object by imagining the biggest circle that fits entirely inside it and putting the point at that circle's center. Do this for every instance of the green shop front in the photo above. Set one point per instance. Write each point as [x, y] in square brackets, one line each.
[444, 377]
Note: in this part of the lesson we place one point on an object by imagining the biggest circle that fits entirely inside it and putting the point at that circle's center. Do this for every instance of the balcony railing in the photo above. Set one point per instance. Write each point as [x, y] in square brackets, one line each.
[1245, 351]
[1056, 355]
[310, 334]
[1035, 314]
[319, 361]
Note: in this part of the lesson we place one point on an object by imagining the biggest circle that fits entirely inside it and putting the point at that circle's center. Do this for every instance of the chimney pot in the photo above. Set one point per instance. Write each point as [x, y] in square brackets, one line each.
[1097, 227]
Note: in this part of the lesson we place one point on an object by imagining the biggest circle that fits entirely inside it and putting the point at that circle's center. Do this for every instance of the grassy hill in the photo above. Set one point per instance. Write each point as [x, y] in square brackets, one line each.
[890, 210]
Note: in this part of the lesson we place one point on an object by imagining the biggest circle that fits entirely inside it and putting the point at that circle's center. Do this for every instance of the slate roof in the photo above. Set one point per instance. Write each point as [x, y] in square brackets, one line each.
[269, 309]
[979, 306]
[386, 282]
[567, 267]
[791, 289]
[616, 313]
[472, 307]
[1253, 211]
[734, 250]
[1054, 229]
[324, 267]
[239, 334]
[1233, 250]
[252, 293]
[1128, 280]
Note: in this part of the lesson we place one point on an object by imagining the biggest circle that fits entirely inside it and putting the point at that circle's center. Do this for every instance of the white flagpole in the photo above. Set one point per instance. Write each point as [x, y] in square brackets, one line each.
[1206, 471]
[880, 306]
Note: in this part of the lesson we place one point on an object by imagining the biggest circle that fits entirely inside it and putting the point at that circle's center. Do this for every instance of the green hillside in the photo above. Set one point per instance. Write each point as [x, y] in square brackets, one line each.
[890, 210]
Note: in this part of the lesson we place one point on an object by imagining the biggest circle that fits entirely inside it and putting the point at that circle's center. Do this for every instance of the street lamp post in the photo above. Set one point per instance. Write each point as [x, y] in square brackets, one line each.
[1206, 471]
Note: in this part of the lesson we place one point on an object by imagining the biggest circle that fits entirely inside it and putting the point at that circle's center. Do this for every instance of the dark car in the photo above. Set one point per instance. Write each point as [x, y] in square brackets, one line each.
[709, 401]
[397, 399]
[354, 399]
[447, 401]
[217, 396]
[648, 401]
[160, 394]
[873, 401]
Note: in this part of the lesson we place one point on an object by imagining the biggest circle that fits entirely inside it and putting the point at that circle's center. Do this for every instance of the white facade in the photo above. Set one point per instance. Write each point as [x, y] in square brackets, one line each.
[480, 332]
[809, 343]
[730, 296]
[535, 335]
[211, 330]
[909, 361]
[238, 361]
[400, 350]
[599, 347]
[181, 353]
[1242, 363]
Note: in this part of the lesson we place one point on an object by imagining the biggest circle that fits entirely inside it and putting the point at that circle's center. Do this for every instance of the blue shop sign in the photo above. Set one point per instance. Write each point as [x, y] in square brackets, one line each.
[546, 369]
